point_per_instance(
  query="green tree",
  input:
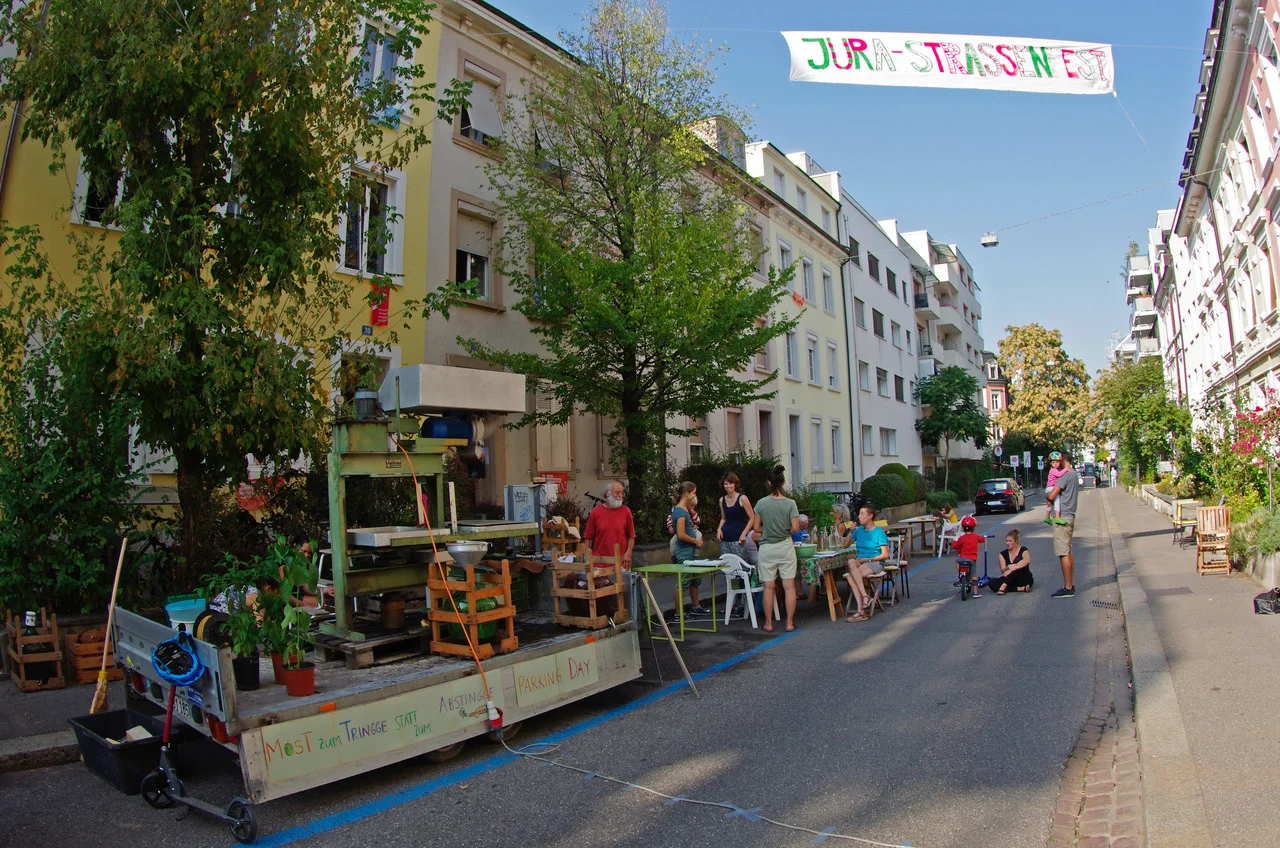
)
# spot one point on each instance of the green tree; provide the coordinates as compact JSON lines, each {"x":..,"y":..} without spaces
{"x":225,"y":139}
{"x":1049,"y":397}
{"x":626,"y":240}
{"x":1136,"y":411}
{"x":954,"y":412}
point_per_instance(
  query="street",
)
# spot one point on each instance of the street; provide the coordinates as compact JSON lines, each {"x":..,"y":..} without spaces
{"x":938,"y":723}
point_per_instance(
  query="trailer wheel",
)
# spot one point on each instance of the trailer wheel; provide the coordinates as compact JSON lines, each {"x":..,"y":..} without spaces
{"x":244,"y":827}
{"x":511,"y":731}
{"x":444,"y":755}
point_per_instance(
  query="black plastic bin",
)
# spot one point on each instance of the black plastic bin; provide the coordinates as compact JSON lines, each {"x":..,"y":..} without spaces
{"x":123,"y":765}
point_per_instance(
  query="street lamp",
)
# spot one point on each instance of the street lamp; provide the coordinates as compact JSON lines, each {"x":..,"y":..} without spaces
{"x":990,"y":240}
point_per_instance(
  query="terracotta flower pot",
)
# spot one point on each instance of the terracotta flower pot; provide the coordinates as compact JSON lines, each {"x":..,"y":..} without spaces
{"x":278,"y":663}
{"x":299,"y":680}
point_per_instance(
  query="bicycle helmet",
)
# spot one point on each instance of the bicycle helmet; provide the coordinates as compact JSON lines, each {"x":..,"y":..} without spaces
{"x":968,"y":523}
{"x":176,"y":661}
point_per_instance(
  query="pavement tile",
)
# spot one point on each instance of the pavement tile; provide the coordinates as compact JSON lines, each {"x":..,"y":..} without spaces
{"x":1126,"y":842}
{"x":1093,"y":842}
{"x":1065,"y":835}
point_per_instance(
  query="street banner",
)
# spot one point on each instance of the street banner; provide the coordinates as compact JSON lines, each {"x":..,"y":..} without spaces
{"x":951,"y":61}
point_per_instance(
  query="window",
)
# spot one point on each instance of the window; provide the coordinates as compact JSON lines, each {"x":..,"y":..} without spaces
{"x":95,"y":205}
{"x":837,"y":449}
{"x":763,"y":361}
{"x":806,"y":277}
{"x":802,"y":201}
{"x":853,"y":252}
{"x":833,"y":366}
{"x":868,"y":446}
{"x":471,"y":255}
{"x":779,"y":183}
{"x":860,"y":313}
{"x":697,"y":442}
{"x":553,"y":444}
{"x":365,"y":235}
{"x":762,"y":255}
{"x":826,"y":219}
{"x":828,"y":292}
{"x":864,"y":376}
{"x":873,"y":267}
{"x":882,"y":382}
{"x":815,"y":439}
{"x":888,"y":442}
{"x":766,"y":432}
{"x":899,"y":388}
{"x":905,"y":297}
{"x":891,"y":280}
{"x":995,"y":401}
{"x":784,"y":258}
{"x":481,"y":120}
{"x":895,"y":334}
{"x":909,"y":342}
{"x":914,"y":402}
{"x":793,"y":353}
{"x":732,"y":430}
{"x":811,"y":350}
{"x":877,"y":322}
{"x":378,"y":65}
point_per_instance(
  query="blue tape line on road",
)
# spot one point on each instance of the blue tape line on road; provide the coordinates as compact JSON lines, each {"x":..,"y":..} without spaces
{"x":413,"y":793}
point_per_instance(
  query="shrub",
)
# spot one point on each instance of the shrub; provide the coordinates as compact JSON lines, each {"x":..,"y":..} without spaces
{"x":920,"y":485}
{"x":940,"y":499}
{"x":886,"y":490}
{"x":1165,"y":486}
{"x":752,"y":467}
{"x":815,"y":503}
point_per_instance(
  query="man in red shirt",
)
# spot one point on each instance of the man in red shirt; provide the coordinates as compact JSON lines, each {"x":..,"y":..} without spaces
{"x":611,"y":524}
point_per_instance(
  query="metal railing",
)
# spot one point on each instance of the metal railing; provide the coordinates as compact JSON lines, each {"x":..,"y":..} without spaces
{"x":922,"y":301}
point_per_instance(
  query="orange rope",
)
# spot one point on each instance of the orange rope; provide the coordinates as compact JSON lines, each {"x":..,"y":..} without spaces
{"x":444,"y":577}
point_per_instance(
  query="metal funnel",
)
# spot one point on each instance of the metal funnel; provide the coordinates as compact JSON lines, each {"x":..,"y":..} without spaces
{"x":467,"y":553}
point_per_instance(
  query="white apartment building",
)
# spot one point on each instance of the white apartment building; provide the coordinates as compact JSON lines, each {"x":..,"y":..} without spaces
{"x":949,"y":315}
{"x":881,"y":328}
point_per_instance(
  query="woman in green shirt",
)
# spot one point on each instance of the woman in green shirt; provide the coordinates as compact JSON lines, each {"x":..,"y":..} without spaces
{"x":776,"y":519}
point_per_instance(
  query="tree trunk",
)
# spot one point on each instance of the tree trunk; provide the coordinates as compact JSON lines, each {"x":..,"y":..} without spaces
{"x":946,"y":464}
{"x":636,"y":435}
{"x":194,"y":546}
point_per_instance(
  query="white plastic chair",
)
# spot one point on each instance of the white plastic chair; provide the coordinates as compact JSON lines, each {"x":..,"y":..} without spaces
{"x":949,"y":533}
{"x":738,"y":569}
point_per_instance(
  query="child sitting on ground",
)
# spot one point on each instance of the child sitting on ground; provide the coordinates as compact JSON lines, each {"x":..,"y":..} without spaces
{"x":966,"y":548}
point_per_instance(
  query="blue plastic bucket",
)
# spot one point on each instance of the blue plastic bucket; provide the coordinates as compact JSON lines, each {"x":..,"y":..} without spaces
{"x":185,"y":612}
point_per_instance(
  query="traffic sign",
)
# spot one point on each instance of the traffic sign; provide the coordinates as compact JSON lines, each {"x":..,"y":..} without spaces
{"x":1013,"y":460}
{"x":1026,"y":458}
{"x":999,"y":450}
{"x":1040,"y":465}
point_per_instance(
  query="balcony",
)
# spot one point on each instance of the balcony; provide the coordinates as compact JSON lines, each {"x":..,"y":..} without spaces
{"x":1139,"y":277}
{"x":925,"y":350}
{"x":949,"y":319}
{"x":926,"y":307}
{"x":928,"y":367}
{"x":1144,"y":316}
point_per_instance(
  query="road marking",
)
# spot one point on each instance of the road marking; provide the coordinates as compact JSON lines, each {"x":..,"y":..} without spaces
{"x":421,"y":790}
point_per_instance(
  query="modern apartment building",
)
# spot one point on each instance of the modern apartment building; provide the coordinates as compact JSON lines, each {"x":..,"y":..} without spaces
{"x":948,"y":313}
{"x":1214,"y":270}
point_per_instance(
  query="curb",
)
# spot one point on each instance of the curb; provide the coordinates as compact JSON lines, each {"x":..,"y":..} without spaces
{"x":1175,"y":813}
{"x":32,"y":752}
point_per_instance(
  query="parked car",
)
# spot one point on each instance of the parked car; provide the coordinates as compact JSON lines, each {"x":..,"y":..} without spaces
{"x":1000,"y":493}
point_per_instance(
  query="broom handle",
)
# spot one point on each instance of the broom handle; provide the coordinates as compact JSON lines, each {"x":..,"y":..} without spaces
{"x":111,"y":610}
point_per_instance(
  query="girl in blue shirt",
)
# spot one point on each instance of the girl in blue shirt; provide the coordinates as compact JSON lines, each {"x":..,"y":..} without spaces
{"x":872,"y":544}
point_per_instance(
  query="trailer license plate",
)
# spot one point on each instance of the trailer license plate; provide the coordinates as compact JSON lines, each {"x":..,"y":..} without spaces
{"x":182,"y":709}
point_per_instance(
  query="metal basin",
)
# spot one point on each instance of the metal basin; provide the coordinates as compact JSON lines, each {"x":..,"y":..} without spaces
{"x":467,"y":553}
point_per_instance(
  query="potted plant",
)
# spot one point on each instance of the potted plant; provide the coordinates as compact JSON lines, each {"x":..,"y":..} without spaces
{"x":275,"y":638}
{"x":299,"y":675}
{"x":244,"y":630}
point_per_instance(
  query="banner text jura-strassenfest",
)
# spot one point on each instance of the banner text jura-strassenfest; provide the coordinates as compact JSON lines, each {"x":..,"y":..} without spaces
{"x":951,"y":61}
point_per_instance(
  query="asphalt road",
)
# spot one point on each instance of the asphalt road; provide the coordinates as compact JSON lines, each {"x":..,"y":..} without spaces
{"x":938,"y":723}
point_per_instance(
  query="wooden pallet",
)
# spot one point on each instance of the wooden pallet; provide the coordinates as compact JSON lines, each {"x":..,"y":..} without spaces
{"x":593,"y":595}
{"x":497,"y":586}
{"x":84,"y":658}
{"x":21,"y":655}
{"x":378,"y":649}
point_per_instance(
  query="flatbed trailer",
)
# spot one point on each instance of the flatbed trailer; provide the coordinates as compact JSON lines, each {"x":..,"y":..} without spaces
{"x":362,"y":719}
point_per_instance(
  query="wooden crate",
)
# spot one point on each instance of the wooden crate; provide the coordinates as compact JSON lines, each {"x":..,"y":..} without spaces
{"x":559,"y":541}
{"x":442,"y":611}
{"x":21,"y":653}
{"x":84,"y":657}
{"x":592,"y":595}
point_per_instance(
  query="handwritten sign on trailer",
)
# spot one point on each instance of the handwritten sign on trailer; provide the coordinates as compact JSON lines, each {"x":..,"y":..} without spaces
{"x":951,"y":61}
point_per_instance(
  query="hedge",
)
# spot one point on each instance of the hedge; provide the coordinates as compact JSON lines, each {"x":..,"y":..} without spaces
{"x":920,"y":485}
{"x":886,"y":490}
{"x":708,"y":475}
{"x":940,"y":499}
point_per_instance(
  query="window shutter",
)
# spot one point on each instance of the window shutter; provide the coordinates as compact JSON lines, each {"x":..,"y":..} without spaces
{"x":475,"y":235}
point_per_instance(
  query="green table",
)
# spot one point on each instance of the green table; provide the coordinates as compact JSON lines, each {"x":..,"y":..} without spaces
{"x":678,"y":569}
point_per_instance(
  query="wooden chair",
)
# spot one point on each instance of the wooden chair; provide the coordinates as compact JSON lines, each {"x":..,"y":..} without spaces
{"x":1213,"y":528}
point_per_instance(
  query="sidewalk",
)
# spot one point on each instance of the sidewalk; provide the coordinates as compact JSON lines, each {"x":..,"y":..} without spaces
{"x":1207,"y":681}
{"x":35,"y":732}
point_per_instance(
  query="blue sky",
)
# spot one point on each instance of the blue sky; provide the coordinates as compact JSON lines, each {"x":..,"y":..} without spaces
{"x":961,"y":162}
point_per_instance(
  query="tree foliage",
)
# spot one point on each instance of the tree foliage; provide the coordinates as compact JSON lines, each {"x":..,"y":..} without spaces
{"x":954,"y":412}
{"x":227,"y":138}
{"x":1137,"y":412}
{"x":1049,"y":399}
{"x":626,"y":240}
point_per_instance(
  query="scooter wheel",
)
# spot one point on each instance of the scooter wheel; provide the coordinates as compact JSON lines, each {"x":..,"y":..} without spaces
{"x":154,"y":791}
{"x":964,"y":590}
{"x":244,"y":827}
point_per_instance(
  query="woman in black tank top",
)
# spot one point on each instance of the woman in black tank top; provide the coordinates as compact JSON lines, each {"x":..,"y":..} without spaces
{"x":736,"y":517}
{"x":1015,"y":567}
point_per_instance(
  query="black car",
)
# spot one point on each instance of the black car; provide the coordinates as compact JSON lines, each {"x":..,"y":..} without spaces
{"x":1001,"y":493}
